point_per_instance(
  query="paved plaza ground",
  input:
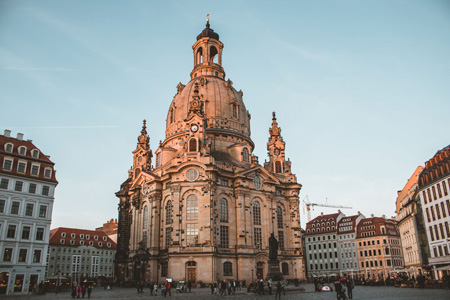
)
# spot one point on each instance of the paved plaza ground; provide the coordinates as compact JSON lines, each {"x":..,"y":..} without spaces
{"x":309,"y":294}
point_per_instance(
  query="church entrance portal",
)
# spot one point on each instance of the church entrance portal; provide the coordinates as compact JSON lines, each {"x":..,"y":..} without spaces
{"x":191,"y":267}
{"x":260,"y":270}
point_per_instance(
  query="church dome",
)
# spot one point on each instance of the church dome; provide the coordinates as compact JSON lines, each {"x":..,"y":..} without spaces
{"x":208,"y":32}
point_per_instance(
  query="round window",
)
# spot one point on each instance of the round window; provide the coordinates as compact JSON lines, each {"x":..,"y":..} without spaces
{"x":191,"y":174}
{"x":257,"y":182}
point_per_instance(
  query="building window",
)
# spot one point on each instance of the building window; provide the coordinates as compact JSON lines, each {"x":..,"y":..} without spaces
{"x":245,"y":155}
{"x":223,"y":237}
{"x":29,"y":209}
{"x":36,"y":256}
{"x":168,"y":210}
{"x":192,"y":208}
{"x":2,"y":206}
{"x":32,"y":188}
{"x":23,"y":255}
{"x":18,"y":186}
{"x":21,"y":166}
{"x":279,"y":217}
{"x":4,"y":183}
{"x":256,"y":213}
{"x":40,"y":234}
{"x":7,"y":254}
{"x":158,"y":159}
{"x":257,"y":237}
{"x":15,"y":208}
{"x":9,"y":148}
{"x":35,"y":153}
{"x":95,"y":236}
{"x":281,"y":240}
{"x":277,"y":167}
{"x":164,"y":269}
{"x":235,"y":111}
{"x":192,"y":234}
{"x":76,"y":263}
{"x":42,"y":211}
{"x":227,"y":269}
{"x":192,"y":145}
{"x":48,"y":173}
{"x":95,"y":262}
{"x":26,"y":232}
{"x":22,"y":150}
{"x":11,"y":234}
{"x":191,"y":174}
{"x":223,"y":210}
{"x":35,"y":170}
{"x":168,"y":238}
{"x":257,"y":182}
{"x":7,"y":164}
{"x":45,"y":190}
{"x":145,"y":219}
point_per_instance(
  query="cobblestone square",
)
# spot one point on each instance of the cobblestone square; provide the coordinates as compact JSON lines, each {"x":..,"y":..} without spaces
{"x":198,"y":294}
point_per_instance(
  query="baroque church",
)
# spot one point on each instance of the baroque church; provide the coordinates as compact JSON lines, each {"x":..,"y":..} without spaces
{"x":205,"y":208}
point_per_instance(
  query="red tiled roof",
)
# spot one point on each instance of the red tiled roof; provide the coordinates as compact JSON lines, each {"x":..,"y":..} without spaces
{"x":321,"y":223}
{"x":389,"y":224}
{"x":42,"y":159}
{"x":347,"y":219}
{"x":56,"y":238}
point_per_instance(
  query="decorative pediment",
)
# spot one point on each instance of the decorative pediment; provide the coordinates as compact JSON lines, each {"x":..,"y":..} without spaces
{"x":260,"y":171}
{"x":144,"y":176}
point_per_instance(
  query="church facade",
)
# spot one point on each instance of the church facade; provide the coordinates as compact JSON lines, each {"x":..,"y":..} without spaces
{"x":200,"y":207}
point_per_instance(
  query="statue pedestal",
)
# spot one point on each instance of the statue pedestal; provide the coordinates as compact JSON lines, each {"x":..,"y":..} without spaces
{"x":274,"y":270}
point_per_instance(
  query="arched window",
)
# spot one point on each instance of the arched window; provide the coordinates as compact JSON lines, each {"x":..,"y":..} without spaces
{"x":171,"y":116}
{"x":278,"y":167}
{"x":168,"y":210}
{"x":192,"y":145}
{"x":234,"y":108}
{"x":223,"y":210}
{"x":199,"y":58}
{"x":279,"y":217}
{"x":145,"y":218}
{"x":245,"y":155}
{"x":227,"y":269}
{"x":212,"y":54}
{"x":192,"y":208}
{"x":256,"y":213}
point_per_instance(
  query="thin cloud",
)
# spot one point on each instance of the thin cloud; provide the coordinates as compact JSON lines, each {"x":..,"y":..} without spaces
{"x":37,"y":69}
{"x":64,"y":127}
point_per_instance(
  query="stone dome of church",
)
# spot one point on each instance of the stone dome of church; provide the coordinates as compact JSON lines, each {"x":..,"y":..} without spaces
{"x":208,"y":95}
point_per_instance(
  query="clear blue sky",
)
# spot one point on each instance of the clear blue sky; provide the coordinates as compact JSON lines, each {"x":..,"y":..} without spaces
{"x":361,"y":88}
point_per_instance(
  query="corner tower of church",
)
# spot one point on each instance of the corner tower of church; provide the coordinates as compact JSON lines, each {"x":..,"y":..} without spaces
{"x":206,"y":208}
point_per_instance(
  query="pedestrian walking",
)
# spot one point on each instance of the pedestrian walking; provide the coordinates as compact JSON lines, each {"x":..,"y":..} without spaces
{"x":83,"y":291}
{"x":278,"y":293}
{"x":89,"y":291}
{"x":350,"y":286}
{"x":269,"y":285}
{"x":283,"y":283}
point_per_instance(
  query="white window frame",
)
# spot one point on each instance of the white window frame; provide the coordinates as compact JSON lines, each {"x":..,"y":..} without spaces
{"x":10,"y":160}
{"x":18,"y":164}
{"x":12,"y":147}
{"x":19,"y":150}
{"x":33,"y":152}
{"x":50,"y":170}
{"x":38,"y":169}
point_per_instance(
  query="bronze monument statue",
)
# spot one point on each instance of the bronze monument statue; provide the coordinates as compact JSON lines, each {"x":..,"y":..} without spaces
{"x":273,"y":247}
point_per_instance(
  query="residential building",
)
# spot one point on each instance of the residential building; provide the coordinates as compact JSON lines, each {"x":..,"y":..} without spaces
{"x":205,"y":208}
{"x":411,"y":226}
{"x":322,"y":254}
{"x":379,"y":247}
{"x":346,"y":238}
{"x":110,"y":228}
{"x":27,"y":188}
{"x":80,"y":254}
{"x":434,"y":186}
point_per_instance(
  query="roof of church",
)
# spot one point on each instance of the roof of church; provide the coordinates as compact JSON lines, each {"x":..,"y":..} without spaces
{"x":208,"y":32}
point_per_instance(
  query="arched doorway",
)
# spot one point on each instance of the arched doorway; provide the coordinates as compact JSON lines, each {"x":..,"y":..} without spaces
{"x":191,"y":271}
{"x":260,"y":270}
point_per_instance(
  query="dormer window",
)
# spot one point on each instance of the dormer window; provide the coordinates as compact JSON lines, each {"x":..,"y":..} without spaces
{"x":22,"y":150}
{"x":35,"y":170}
{"x":48,"y":173}
{"x":9,"y":148}
{"x":35,"y":153}
{"x":105,"y":238}
{"x":7,"y":164}
{"x":63,"y":234}
{"x":21,"y":166}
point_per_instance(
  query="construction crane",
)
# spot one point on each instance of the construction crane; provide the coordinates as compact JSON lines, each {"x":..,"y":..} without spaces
{"x":310,"y":205}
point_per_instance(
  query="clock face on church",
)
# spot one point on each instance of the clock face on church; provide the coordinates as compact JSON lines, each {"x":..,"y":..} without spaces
{"x":276,"y":151}
{"x":194,"y":127}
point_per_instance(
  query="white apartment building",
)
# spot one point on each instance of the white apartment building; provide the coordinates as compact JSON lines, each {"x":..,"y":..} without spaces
{"x":27,"y":187}
{"x":346,"y":239}
{"x":434,"y":187}
{"x":322,"y":256}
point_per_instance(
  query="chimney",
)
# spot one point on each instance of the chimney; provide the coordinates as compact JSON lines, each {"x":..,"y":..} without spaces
{"x":371,"y":215}
{"x":359,"y":212}
{"x":7,"y":133}
{"x":339,"y":211}
{"x":20,"y":136}
{"x":384,"y":217}
{"x":321,"y":213}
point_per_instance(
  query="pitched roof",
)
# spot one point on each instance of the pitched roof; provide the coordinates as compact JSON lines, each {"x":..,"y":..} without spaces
{"x":71,"y":237}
